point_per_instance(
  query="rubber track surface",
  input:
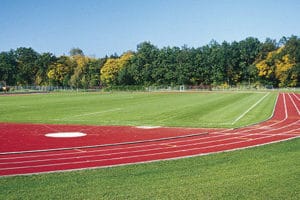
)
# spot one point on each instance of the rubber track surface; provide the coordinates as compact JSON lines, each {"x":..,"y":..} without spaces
{"x":25,"y":149}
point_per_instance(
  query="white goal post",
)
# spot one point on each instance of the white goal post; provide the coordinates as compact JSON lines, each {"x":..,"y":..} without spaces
{"x":181,"y":88}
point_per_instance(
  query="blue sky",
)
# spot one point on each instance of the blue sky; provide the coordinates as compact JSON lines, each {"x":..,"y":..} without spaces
{"x":104,"y":27}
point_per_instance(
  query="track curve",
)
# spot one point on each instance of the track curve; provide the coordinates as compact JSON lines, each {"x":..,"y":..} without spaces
{"x":26,"y":150}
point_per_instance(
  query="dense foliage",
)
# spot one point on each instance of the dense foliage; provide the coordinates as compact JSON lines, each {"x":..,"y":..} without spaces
{"x":248,"y":62}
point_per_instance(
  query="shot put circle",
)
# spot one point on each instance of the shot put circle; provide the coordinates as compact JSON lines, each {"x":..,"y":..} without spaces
{"x":65,"y":134}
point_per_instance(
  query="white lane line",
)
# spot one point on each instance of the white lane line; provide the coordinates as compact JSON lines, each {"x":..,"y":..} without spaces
{"x":220,"y":135}
{"x":139,"y":156}
{"x":285,"y":107}
{"x":167,"y":147}
{"x":107,"y":145}
{"x":147,"y":161}
{"x":294,"y":104}
{"x":296,"y":96}
{"x":253,"y":106}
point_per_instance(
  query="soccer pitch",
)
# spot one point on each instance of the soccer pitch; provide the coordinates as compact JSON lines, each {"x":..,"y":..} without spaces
{"x":140,"y":109}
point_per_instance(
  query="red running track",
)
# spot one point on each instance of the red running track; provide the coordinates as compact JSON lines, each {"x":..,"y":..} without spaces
{"x":26,"y":150}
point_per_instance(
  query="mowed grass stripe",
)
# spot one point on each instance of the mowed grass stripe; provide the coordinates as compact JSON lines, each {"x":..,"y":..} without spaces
{"x":156,"y":109}
{"x":249,"y":109}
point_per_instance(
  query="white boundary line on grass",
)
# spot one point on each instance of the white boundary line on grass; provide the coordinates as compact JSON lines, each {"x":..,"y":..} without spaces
{"x":242,"y":115}
{"x":87,"y":114}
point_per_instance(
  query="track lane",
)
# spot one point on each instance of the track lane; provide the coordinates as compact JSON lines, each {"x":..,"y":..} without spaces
{"x":155,"y":147}
{"x":134,"y":147}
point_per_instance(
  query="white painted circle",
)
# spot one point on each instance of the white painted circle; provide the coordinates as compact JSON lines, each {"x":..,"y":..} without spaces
{"x":65,"y":134}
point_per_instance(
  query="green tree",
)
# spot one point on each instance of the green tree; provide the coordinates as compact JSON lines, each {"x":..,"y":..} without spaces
{"x":8,"y":67}
{"x":249,"y":50}
{"x":44,"y":62}
{"x":76,"y":51}
{"x":26,"y":59}
{"x":143,"y":63}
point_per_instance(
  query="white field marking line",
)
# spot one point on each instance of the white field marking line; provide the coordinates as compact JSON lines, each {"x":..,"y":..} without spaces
{"x":253,"y":106}
{"x":246,"y":130}
{"x":296,"y":96}
{"x":92,"y":113}
{"x":51,"y":128}
{"x":269,"y":118}
{"x":169,"y":147}
{"x":134,"y":156}
{"x":174,"y":109}
{"x":294,"y":104}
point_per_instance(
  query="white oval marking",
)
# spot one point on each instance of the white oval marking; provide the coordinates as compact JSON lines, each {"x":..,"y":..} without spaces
{"x":147,"y":127}
{"x":65,"y":134}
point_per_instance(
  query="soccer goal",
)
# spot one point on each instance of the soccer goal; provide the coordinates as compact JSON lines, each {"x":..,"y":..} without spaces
{"x":181,"y":88}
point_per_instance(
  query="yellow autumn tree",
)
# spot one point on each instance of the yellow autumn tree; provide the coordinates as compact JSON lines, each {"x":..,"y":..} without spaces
{"x":278,"y":65}
{"x":284,"y":72}
{"x":266,"y":67}
{"x":57,"y":73}
{"x":79,"y":79}
{"x":60,"y":71}
{"x":112,"y":67}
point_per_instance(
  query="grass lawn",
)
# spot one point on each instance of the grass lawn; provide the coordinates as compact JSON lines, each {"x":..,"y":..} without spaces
{"x":267,"y":172}
{"x":160,"y":109}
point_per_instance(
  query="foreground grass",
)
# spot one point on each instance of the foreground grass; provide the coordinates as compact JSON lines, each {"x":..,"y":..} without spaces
{"x":163,"y":109}
{"x":267,"y":172}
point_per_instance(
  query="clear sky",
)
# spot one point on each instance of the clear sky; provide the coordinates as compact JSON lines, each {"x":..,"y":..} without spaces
{"x":104,"y":27}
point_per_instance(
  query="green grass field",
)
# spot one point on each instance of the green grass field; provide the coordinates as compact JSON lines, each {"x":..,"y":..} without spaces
{"x":267,"y":172}
{"x":160,"y":109}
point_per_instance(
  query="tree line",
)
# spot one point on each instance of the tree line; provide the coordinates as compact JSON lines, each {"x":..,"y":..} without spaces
{"x":248,"y":62}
